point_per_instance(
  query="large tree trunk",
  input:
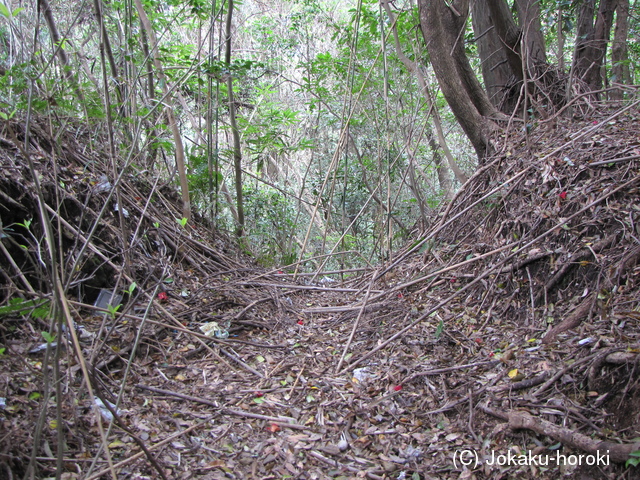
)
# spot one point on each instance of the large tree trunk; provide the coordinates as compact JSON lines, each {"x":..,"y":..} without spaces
{"x":532,"y":43}
{"x":507,"y":31}
{"x":509,"y":53}
{"x":619,"y":53}
{"x":443,"y":28}
{"x":592,"y":36}
{"x":496,"y":69}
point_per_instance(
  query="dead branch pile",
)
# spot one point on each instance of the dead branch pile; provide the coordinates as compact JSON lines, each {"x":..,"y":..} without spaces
{"x":535,"y":264}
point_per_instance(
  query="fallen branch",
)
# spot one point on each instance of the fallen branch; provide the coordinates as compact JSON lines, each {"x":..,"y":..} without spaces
{"x":528,"y":383}
{"x":336,"y":464}
{"x":572,"y":366}
{"x":575,"y":318}
{"x":282,"y":421}
{"x":438,"y":371}
{"x":518,"y":419}
{"x":572,"y":263}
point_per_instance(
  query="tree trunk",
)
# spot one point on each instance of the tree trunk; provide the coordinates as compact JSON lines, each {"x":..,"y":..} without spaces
{"x":508,"y":32}
{"x":592,"y":36}
{"x":560,"y":36}
{"x":67,"y":71}
{"x":532,"y":42}
{"x":443,"y":27}
{"x":443,"y":178}
{"x":496,"y":70}
{"x":237,"y":152}
{"x":180,"y":164}
{"x":151,"y":146}
{"x":619,"y":53}
{"x":509,"y":53}
{"x":414,"y":68}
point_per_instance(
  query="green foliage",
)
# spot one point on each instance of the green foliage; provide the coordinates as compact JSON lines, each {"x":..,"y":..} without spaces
{"x":48,"y":337}
{"x":634,"y":459}
{"x":129,"y":291}
{"x":21,"y":307}
{"x":113,"y":310}
{"x":8,"y":14}
{"x":270,"y":224}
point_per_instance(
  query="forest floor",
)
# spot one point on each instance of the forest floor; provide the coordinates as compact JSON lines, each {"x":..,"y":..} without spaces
{"x":501,"y":342}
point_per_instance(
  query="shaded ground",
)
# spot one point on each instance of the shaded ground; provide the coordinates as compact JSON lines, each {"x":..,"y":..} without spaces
{"x":509,"y":327}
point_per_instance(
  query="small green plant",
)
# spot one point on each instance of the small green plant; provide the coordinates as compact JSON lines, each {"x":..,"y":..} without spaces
{"x":48,"y":337}
{"x":2,"y":350}
{"x":4,"y":116}
{"x":129,"y":291}
{"x":439,"y":329}
{"x":8,"y":14}
{"x":26,"y":224}
{"x":113,"y":310}
{"x":182,"y":222}
{"x":20,"y":306}
{"x":634,"y":459}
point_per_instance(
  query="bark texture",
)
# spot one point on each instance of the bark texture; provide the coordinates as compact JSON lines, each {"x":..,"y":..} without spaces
{"x":443,"y":28}
{"x":619,"y":52}
{"x":593,"y":31}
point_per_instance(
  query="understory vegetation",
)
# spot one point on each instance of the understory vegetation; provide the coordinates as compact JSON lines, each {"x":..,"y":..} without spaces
{"x":315,"y":239}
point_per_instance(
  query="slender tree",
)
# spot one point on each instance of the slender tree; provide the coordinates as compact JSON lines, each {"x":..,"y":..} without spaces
{"x":67,"y":70}
{"x":237,"y":152}
{"x":173,"y":124}
{"x":414,"y":68}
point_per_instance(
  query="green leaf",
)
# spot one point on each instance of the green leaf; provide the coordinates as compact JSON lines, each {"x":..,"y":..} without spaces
{"x":48,"y":337}
{"x":4,"y":11}
{"x":26,"y":224}
{"x":439,"y":329}
{"x":131,"y":288}
{"x":41,"y":312}
{"x":113,"y":310}
{"x":633,"y":462}
{"x":23,"y":307}
{"x":634,"y":459}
